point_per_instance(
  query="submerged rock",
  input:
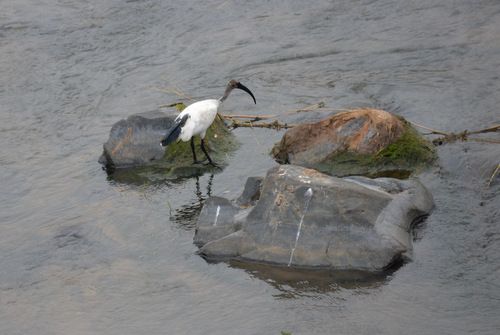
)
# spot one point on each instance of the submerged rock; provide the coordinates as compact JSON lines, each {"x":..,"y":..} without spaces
{"x":361,"y":141}
{"x":306,"y":219}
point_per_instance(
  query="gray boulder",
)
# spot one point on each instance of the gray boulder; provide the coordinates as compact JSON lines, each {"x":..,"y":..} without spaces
{"x":306,"y":219}
{"x":251,"y":192}
{"x":136,"y":141}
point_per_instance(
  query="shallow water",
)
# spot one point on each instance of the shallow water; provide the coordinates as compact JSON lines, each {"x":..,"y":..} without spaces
{"x":86,"y":254}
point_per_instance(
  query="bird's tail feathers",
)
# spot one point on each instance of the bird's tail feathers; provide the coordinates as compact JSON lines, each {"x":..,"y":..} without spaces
{"x":174,"y":131}
{"x":172,"y":135}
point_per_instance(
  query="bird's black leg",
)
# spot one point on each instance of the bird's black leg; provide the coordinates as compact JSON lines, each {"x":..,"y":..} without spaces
{"x":210,"y":161}
{"x":195,"y":160}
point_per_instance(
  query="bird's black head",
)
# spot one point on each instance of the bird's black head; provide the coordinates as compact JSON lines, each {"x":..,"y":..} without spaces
{"x":234,"y":83}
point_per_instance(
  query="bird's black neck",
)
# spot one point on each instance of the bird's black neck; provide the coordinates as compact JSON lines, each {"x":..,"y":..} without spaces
{"x":229,"y":88}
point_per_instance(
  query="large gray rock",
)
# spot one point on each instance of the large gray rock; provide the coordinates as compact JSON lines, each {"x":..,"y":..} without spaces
{"x":136,"y":141}
{"x":305,"y":219}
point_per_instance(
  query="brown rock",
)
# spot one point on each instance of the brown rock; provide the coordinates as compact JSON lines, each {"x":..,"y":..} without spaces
{"x":361,"y":131}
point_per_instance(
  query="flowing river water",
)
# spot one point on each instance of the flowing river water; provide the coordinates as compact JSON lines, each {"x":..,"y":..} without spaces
{"x":82,"y":252}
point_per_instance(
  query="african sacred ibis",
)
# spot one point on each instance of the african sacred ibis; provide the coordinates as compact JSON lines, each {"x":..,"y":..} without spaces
{"x":195,"y":120}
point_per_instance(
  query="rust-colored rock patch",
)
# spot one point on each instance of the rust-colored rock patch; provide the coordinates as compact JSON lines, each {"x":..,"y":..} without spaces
{"x":360,"y":131}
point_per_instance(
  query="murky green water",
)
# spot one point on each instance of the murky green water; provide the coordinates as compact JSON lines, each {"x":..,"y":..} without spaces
{"x":82,"y":253}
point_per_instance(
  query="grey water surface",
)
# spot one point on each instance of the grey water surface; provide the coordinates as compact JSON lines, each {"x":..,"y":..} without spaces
{"x":82,"y":252}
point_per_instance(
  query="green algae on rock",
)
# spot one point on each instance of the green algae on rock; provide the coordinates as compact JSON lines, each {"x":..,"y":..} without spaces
{"x":398,"y":160}
{"x":133,"y":150}
{"x":360,"y":142}
{"x":219,"y":141}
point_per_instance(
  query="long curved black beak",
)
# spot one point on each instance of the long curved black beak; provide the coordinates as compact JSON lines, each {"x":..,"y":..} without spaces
{"x":244,"y":88}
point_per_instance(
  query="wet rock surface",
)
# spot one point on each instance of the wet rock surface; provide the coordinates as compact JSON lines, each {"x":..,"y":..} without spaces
{"x":306,"y":219}
{"x":134,"y":146}
{"x":364,"y":131}
{"x":362,"y":141}
{"x":136,"y":141}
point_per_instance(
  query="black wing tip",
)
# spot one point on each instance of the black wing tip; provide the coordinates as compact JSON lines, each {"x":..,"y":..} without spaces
{"x":170,"y":138}
{"x":174,"y":131}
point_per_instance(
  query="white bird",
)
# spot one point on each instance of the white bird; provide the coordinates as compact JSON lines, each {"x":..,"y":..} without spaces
{"x":195,"y":120}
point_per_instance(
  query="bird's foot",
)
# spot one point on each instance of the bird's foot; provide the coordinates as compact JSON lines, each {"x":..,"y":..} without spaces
{"x":213,"y":164}
{"x":202,"y":162}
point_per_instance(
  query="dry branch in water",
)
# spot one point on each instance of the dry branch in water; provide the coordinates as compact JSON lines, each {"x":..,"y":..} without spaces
{"x":223,"y":4}
{"x":273,"y":125}
{"x":463,"y":136}
{"x":495,"y":128}
{"x":295,"y":111}
{"x":493,"y":175}
{"x":447,"y":138}
{"x":169,"y":90}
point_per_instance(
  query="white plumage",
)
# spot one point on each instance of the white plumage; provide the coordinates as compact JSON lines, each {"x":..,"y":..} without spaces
{"x":195,"y":120}
{"x":201,"y":116}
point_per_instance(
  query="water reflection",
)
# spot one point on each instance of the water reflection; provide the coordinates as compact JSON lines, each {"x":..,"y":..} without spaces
{"x":192,"y":193}
{"x":186,"y":216}
{"x":294,"y":283}
{"x":184,"y":213}
{"x":153,"y":175}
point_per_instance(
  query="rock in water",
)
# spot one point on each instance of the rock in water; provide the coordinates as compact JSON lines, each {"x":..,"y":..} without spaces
{"x":362,"y":141}
{"x":306,"y":219}
{"x":136,"y":141}
{"x":251,"y":192}
{"x":363,"y":131}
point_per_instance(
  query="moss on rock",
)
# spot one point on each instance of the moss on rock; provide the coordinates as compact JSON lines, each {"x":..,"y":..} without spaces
{"x":411,"y":152}
{"x":178,"y":158}
{"x":178,"y":106}
{"x":219,"y":142}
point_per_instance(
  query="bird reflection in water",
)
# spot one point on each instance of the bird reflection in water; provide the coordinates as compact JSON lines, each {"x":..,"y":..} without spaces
{"x":186,"y":216}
